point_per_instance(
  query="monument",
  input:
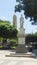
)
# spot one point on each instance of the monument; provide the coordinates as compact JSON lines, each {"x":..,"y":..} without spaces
{"x":21,"y":50}
{"x":21,"y":38}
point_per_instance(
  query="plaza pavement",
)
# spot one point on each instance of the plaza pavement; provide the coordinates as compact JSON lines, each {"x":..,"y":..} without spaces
{"x":15,"y":60}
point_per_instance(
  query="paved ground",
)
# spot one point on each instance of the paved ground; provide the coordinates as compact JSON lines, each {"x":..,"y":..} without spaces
{"x":15,"y":60}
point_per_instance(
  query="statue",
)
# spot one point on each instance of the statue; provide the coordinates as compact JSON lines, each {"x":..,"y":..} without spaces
{"x":15,"y":21}
{"x":21,"y":21}
{"x":21,"y":38}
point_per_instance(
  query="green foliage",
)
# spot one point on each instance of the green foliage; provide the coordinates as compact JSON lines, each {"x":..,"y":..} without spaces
{"x":31,"y":38}
{"x":13,"y":42}
{"x":7,"y":30}
{"x":4,"y":22}
{"x":29,"y":7}
{"x":1,"y":46}
{"x":1,"y":39}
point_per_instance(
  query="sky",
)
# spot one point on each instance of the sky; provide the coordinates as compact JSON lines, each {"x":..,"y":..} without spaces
{"x":7,"y":8}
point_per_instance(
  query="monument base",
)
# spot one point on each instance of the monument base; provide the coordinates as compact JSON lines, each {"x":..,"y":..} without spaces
{"x":14,"y":54}
{"x":21,"y":48}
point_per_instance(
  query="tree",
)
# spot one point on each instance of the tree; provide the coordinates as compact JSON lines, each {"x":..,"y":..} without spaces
{"x":13,"y":32}
{"x":7,"y":30}
{"x":31,"y":38}
{"x":29,"y":7}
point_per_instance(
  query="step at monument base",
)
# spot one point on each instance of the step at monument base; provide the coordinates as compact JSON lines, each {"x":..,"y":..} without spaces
{"x":20,"y":55}
{"x":21,"y":48}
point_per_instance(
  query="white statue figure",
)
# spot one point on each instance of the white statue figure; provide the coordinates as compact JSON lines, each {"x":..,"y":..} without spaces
{"x":21,"y":21}
{"x":15,"y":20}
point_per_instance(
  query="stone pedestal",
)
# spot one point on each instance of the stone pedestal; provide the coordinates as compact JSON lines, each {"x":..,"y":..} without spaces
{"x":21,"y":36}
{"x":21,"y":42}
{"x":21,"y":48}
